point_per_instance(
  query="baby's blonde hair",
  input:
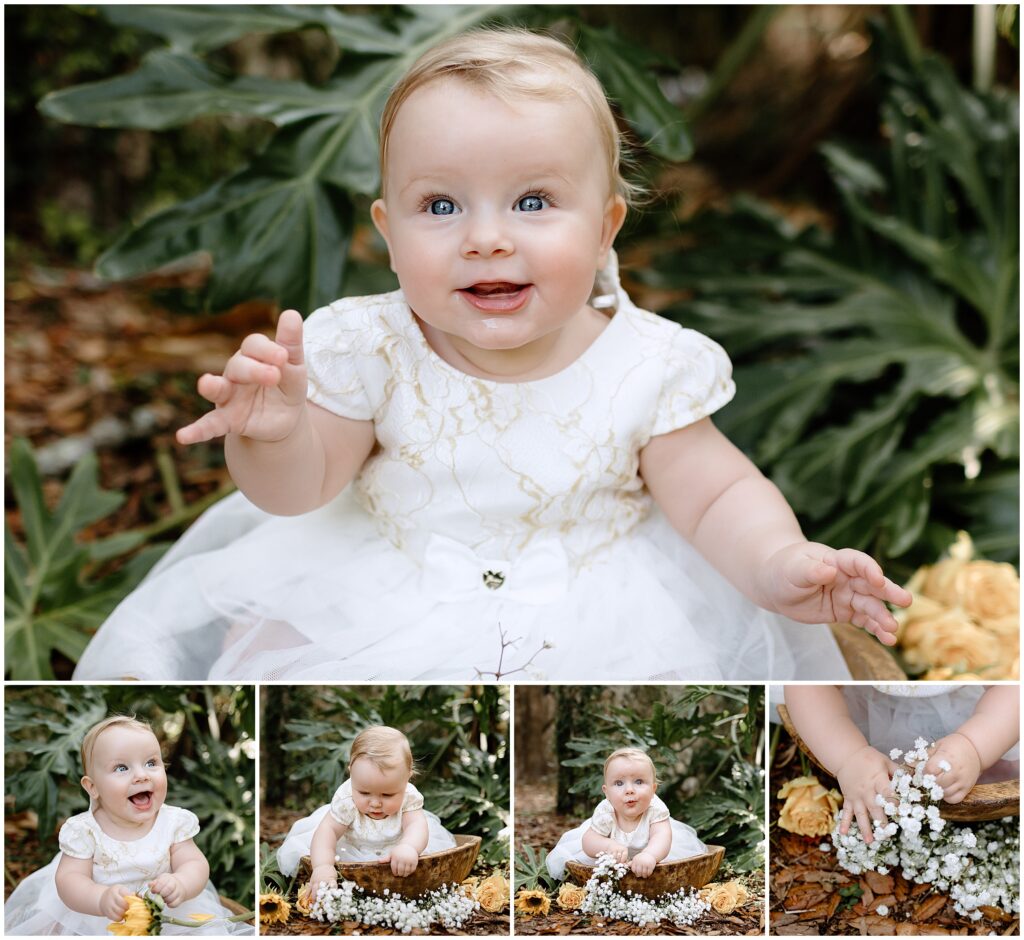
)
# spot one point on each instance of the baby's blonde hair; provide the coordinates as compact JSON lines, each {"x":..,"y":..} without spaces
{"x":512,"y":64}
{"x":386,"y":747}
{"x":93,"y":734}
{"x":632,"y":753}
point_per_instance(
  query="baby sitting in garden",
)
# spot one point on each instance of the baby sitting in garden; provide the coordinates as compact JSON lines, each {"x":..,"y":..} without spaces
{"x":632,"y":824}
{"x":128,"y":844}
{"x":856,"y":732}
{"x":376,"y":815}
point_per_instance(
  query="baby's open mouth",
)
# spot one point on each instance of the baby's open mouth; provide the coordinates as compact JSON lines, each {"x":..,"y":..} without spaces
{"x":497,"y":296}
{"x":142,"y":800}
{"x":497,"y":287}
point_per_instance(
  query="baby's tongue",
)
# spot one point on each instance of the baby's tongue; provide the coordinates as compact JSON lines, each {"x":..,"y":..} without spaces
{"x":141,"y":799}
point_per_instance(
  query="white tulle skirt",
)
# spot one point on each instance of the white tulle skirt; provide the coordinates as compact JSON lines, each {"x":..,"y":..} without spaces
{"x":35,"y":909}
{"x":896,"y":721}
{"x":323,"y":596}
{"x":685,"y":844}
{"x":300,"y":836}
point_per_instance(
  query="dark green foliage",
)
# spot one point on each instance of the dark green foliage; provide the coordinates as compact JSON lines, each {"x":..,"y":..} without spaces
{"x":280,"y":227}
{"x":693,"y":734}
{"x":207,"y":736}
{"x":877,"y":365}
{"x":531,"y":869}
{"x":458,"y":736}
{"x":55,"y":591}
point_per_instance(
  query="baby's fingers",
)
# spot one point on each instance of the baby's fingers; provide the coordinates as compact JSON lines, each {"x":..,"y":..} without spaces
{"x":289,"y":336}
{"x":210,"y":425}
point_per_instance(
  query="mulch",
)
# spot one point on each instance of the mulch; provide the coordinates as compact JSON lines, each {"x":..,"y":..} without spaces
{"x":538,"y":825}
{"x":812,"y":896}
{"x":274,"y":826}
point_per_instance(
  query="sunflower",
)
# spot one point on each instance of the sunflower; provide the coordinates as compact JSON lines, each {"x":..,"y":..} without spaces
{"x":304,"y":899}
{"x":274,"y":909}
{"x":532,"y":901}
{"x":140,"y":919}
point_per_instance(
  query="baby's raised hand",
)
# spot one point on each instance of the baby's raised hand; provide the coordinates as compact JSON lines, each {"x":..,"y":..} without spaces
{"x":262,"y":391}
{"x":617,"y":851}
{"x":956,"y":766}
{"x":169,"y":887}
{"x":813,"y":583}
{"x":113,"y":905}
{"x":643,"y":864}
{"x":404,"y":859}
{"x":322,"y":874}
{"x":864,"y":775}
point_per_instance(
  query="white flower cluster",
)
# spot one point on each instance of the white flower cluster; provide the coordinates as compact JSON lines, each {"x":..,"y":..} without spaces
{"x":445,"y":905}
{"x":976,"y":865}
{"x":683,"y":907}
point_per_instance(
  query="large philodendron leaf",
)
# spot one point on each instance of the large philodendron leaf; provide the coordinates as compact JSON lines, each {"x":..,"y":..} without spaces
{"x":50,"y":601}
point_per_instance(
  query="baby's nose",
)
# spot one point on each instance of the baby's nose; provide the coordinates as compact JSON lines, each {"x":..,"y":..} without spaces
{"x":485,"y":237}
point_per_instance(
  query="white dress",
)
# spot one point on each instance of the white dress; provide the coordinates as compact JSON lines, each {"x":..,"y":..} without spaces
{"x":366,"y":839}
{"x":490,"y":513}
{"x":894,"y":715}
{"x":35,"y":909}
{"x":685,"y":843}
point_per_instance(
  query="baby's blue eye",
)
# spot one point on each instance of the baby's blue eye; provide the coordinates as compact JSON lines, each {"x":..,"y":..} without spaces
{"x":151,"y":762}
{"x":120,"y":767}
{"x":531,"y":203}
{"x":442,"y":207}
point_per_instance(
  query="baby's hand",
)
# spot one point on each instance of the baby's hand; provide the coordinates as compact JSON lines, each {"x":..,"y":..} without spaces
{"x":262,"y":391}
{"x":404,"y":859}
{"x":813,"y":583}
{"x":956,"y":766}
{"x":113,"y":905}
{"x":617,"y":851}
{"x":170,"y":888}
{"x":864,"y":775}
{"x":643,"y":864}
{"x":322,"y":874}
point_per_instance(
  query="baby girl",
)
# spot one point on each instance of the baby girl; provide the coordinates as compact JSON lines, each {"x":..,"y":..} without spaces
{"x":375,"y":815}
{"x":632,"y":824}
{"x":128,"y":842}
{"x":852,"y":730}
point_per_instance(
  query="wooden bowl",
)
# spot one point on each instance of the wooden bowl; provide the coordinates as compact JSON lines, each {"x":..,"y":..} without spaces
{"x":452,"y":866}
{"x":667,"y":876}
{"x":985,"y":800}
{"x":865,"y":657}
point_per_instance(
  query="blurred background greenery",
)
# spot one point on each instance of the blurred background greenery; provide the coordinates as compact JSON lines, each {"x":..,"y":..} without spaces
{"x":834,"y":196}
{"x":207,"y":734}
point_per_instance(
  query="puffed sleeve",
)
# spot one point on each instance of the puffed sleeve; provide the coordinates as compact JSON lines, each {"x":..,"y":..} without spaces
{"x":184,"y":826}
{"x":333,"y":340}
{"x":343,"y":809}
{"x":413,"y":799}
{"x":697,"y":381}
{"x":657,"y":809}
{"x":603,"y":819}
{"x":76,"y":838}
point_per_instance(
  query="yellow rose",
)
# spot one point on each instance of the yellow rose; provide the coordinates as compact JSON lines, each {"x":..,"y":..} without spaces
{"x":570,"y":896}
{"x":940,"y":581}
{"x":274,"y":909}
{"x":725,"y":898}
{"x":950,"y":639}
{"x":945,"y":674}
{"x":492,"y":893}
{"x":136,"y":921}
{"x":809,"y":809}
{"x":532,"y":901}
{"x":989,"y":590}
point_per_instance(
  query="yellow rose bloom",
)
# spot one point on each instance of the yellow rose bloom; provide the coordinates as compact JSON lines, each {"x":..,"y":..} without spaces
{"x":809,"y":809}
{"x":725,"y":898}
{"x":570,"y":896}
{"x":532,"y":901}
{"x":274,"y":909}
{"x":492,"y":894}
{"x":989,"y":590}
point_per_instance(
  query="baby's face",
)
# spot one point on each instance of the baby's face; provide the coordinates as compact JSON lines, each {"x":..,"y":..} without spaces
{"x":378,"y":793}
{"x":126,"y":775}
{"x":497,"y":216}
{"x":629,"y":786}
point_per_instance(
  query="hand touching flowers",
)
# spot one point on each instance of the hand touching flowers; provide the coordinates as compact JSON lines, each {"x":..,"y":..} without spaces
{"x":813,"y":583}
{"x":170,"y":888}
{"x":864,"y":775}
{"x":955,"y":764}
{"x":113,"y":905}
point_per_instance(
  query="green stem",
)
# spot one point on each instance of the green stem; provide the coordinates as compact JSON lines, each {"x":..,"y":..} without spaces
{"x":186,"y":514}
{"x":907,"y":34}
{"x":169,"y":478}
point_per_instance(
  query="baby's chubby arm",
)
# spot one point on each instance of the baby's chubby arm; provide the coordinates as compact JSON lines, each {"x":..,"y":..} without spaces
{"x":76,"y":888}
{"x":737,"y":519}
{"x":977,"y":744}
{"x":188,"y":875}
{"x":405,"y":856}
{"x":595,"y":844}
{"x":287,"y":455}
{"x":820,"y":714}
{"x":322,"y":851}
{"x":656,"y":849}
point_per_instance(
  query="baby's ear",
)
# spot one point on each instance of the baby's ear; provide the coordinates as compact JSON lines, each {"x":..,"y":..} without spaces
{"x":379,"y":214}
{"x":89,"y":787}
{"x":614,"y":216}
